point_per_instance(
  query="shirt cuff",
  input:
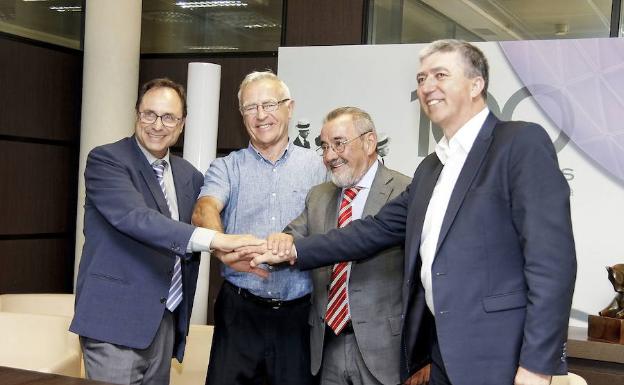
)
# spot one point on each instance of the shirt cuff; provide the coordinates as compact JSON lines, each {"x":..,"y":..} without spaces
{"x":200,"y":240}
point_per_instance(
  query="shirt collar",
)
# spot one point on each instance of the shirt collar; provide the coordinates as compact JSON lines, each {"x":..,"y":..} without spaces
{"x":148,"y":155}
{"x":367,"y":180}
{"x":259,"y":155}
{"x":463,"y":138}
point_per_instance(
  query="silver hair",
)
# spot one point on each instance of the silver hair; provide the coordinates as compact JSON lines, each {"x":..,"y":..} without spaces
{"x":262,"y":75}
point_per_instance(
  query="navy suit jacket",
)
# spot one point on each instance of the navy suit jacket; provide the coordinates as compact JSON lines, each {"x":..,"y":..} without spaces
{"x":130,"y":248}
{"x":505,"y":264}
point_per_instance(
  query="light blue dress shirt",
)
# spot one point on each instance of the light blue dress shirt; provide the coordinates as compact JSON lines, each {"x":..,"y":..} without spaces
{"x":261,"y":197}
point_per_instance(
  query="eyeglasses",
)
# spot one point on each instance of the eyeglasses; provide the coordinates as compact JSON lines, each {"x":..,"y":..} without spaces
{"x":338,"y":145}
{"x":268,"y":106}
{"x":150,"y":117}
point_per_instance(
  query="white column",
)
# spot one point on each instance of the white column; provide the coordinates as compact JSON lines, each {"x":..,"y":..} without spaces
{"x":112,"y":42}
{"x":200,"y":148}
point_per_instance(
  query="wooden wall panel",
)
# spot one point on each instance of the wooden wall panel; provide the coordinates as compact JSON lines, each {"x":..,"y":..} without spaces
{"x":325,"y":22}
{"x":39,"y":146}
{"x":41,"y":91}
{"x":232,"y":134}
{"x":36,"y":266}
{"x":39,"y":189}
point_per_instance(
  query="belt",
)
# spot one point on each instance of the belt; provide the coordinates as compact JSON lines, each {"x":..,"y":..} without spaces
{"x":273,"y":303}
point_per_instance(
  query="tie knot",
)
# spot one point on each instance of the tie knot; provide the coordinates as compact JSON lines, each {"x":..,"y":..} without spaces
{"x":159,"y":168}
{"x":351,"y":192}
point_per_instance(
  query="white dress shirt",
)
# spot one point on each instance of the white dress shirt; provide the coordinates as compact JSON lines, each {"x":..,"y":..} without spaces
{"x":452,"y":154}
{"x":365,"y":183}
{"x":201,"y":237}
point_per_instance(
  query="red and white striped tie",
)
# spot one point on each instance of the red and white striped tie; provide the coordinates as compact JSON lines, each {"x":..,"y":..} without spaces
{"x":338,"y":313}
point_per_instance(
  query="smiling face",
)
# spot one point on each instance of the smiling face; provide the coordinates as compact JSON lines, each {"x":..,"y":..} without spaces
{"x":155,"y":137}
{"x":447,"y":96}
{"x":349,"y":166}
{"x":267,"y":130}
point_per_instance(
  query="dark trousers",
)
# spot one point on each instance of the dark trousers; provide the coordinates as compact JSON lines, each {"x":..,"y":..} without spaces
{"x":255,"y":343}
{"x":438,"y":374}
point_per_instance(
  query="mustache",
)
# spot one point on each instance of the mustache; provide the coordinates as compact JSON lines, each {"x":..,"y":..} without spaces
{"x":337,"y":162}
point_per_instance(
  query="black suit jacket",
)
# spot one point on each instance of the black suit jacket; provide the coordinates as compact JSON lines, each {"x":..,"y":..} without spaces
{"x":505,"y":265}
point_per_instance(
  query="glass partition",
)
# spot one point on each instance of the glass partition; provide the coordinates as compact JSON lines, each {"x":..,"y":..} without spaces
{"x":52,"y":21}
{"x":182,"y":26}
{"x":414,"y":21}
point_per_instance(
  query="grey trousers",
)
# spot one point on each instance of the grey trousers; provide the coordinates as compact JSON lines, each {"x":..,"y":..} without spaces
{"x":343,"y":363}
{"x":122,"y":365}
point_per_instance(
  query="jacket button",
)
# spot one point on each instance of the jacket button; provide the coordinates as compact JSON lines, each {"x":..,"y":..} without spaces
{"x":163,"y":300}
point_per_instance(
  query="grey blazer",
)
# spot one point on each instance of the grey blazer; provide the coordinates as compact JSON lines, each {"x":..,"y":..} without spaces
{"x":374,"y":285}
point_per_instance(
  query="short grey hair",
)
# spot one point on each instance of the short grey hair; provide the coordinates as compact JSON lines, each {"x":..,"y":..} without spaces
{"x":476,"y":63}
{"x":262,"y":75}
{"x":361,"y":119}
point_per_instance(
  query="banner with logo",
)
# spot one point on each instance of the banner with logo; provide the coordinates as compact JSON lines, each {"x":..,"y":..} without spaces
{"x":573,"y":88}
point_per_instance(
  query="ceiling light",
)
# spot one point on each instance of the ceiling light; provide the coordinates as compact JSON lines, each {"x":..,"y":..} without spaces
{"x":68,"y":8}
{"x":167,"y":17}
{"x":212,"y":48}
{"x":210,"y":4}
{"x":261,"y":25}
{"x":561,"y":29}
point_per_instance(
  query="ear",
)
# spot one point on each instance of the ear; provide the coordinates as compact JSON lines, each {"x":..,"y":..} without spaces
{"x":291,"y":108}
{"x":477,"y":86}
{"x":371,"y":141}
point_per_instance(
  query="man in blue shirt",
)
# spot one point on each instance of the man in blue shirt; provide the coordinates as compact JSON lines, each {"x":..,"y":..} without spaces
{"x":261,"y":330}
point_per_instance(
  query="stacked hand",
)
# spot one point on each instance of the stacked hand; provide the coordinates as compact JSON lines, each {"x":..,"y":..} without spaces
{"x":279,"y":249}
{"x":231,"y":242}
{"x":226,"y":249}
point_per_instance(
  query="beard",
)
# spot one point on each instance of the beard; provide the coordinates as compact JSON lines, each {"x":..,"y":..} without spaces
{"x":344,"y":177}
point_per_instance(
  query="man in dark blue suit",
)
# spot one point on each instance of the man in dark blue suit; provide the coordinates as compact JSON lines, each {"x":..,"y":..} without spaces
{"x":137,"y":277}
{"x":486,"y":225}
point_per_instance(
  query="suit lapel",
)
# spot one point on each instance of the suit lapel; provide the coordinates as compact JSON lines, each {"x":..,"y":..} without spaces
{"x":181,"y":179}
{"x":379,"y":193}
{"x":420,"y":201}
{"x":331,"y":210}
{"x":149,"y":176}
{"x":467,"y":175}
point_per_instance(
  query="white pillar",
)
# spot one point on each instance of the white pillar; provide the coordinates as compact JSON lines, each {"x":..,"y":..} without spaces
{"x":110,"y":77}
{"x":200,"y":148}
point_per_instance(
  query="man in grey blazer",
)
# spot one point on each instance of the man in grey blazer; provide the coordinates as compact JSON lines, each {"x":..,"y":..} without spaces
{"x":371,"y":331}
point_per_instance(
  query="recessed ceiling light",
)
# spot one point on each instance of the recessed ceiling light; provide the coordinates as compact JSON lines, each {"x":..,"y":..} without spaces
{"x":68,"y":8}
{"x":212,"y":48}
{"x":261,"y":25}
{"x":210,"y":4}
{"x":562,"y":29}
